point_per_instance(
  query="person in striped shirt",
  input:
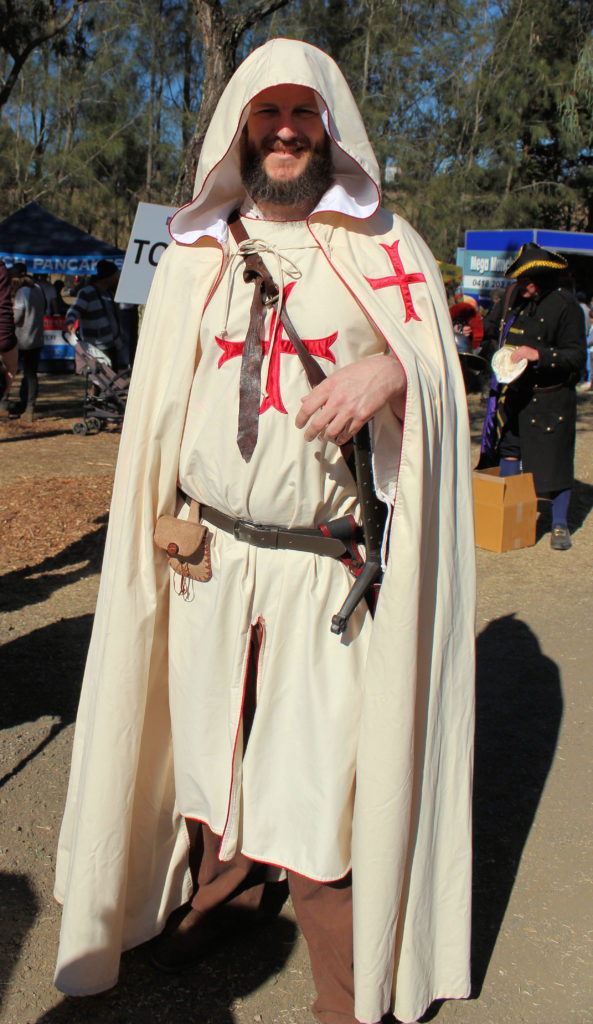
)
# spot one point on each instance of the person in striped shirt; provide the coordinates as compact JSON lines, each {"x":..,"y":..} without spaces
{"x":96,"y":312}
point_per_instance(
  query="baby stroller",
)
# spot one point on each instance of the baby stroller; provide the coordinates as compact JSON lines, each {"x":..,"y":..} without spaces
{"x":105,"y":391}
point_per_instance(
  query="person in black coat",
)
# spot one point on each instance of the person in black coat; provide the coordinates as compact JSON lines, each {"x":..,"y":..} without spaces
{"x":531,"y":421}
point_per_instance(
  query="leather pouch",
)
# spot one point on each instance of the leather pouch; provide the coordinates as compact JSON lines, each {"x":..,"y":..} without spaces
{"x":186,"y":543}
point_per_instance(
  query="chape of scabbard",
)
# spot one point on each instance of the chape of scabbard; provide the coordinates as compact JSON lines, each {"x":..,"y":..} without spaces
{"x":373,"y":521}
{"x":368,"y":575}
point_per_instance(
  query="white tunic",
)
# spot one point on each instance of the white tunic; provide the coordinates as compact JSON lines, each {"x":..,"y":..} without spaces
{"x":289,"y":800}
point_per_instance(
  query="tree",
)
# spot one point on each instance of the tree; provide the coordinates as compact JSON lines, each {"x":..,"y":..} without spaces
{"x":25,"y":27}
{"x":479,"y":111}
{"x":531,"y":161}
{"x":97,"y":121}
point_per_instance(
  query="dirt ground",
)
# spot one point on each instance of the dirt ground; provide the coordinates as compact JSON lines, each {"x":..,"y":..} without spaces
{"x":533,"y":921}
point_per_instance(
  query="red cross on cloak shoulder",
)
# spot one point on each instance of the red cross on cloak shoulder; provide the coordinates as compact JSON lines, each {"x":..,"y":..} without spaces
{"x":399,"y":280}
{"x":280,"y":344}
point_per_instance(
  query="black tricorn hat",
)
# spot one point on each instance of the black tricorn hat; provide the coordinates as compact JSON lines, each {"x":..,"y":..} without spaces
{"x":532,"y":259}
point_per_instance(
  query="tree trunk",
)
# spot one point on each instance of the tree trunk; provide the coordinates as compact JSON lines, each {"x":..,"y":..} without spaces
{"x":188,"y":66}
{"x":219,"y":65}
{"x":367,"y":52}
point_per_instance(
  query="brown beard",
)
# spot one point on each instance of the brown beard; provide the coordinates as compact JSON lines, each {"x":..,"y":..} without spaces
{"x":308,"y":187}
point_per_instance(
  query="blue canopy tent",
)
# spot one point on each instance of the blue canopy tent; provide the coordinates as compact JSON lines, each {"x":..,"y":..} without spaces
{"x":49,"y":245}
{"x":46,"y":244}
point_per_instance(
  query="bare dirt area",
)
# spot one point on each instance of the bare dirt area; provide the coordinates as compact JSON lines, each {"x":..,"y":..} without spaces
{"x":533,"y":931}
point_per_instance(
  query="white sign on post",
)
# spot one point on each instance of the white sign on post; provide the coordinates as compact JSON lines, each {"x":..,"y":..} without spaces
{"x":148,"y":241}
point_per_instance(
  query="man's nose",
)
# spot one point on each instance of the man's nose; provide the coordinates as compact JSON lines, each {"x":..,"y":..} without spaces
{"x":286,"y":130}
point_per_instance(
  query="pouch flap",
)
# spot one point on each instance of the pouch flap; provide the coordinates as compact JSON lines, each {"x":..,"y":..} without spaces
{"x":178,"y":537}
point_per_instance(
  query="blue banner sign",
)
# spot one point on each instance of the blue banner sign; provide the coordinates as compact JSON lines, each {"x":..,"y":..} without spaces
{"x":59,"y":264}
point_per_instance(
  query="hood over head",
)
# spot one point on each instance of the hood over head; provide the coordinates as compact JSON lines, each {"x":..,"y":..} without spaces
{"x":219,"y":189}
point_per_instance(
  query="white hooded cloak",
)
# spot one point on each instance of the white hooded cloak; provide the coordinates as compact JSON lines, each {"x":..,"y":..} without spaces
{"x":123,"y":855}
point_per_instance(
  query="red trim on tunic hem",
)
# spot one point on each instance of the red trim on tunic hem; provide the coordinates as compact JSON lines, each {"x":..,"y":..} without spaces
{"x":273,"y":863}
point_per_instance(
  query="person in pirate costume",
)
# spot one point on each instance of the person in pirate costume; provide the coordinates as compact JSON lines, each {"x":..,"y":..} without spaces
{"x":289,"y":311}
{"x":530,"y":422}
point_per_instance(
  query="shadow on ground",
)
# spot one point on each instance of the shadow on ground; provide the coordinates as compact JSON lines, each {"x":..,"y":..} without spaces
{"x":34,"y":433}
{"x":581,"y":503}
{"x":518,"y":715}
{"x":42,"y":672}
{"x":144,"y":995}
{"x":35,"y":583}
{"x":19,"y":910}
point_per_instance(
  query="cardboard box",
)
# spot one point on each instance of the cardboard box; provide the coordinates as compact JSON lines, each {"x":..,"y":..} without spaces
{"x":505,"y":510}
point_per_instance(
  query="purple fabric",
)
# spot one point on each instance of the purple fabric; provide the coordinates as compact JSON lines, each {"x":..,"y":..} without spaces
{"x":488,"y":447}
{"x":7,"y":335}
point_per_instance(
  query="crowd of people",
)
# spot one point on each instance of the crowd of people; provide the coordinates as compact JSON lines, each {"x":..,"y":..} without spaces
{"x":26,"y":300}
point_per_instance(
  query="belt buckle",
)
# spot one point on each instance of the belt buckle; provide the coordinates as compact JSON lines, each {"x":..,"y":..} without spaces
{"x":240,"y":530}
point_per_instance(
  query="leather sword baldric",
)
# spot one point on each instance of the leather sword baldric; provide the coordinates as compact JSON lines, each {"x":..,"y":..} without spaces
{"x":250,"y":377}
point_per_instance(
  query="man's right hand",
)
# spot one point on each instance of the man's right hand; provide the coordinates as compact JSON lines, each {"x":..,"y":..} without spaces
{"x":338,"y":407}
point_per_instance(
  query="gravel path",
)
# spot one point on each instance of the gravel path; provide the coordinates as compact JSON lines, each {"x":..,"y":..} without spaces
{"x":533,"y":930}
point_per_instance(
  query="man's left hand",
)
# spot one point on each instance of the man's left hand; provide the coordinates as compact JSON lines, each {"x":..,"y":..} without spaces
{"x":338,"y":407}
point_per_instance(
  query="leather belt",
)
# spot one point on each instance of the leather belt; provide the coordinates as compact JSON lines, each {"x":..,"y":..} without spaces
{"x":281,"y":538}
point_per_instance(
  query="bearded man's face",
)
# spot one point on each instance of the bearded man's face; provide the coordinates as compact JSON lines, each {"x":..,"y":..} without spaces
{"x":285,"y":151}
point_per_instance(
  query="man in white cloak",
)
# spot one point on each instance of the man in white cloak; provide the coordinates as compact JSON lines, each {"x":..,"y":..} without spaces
{"x":344,"y":760}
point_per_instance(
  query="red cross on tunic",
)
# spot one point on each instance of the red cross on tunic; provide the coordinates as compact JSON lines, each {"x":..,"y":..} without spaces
{"x":401,"y":280}
{"x":280,"y":345}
